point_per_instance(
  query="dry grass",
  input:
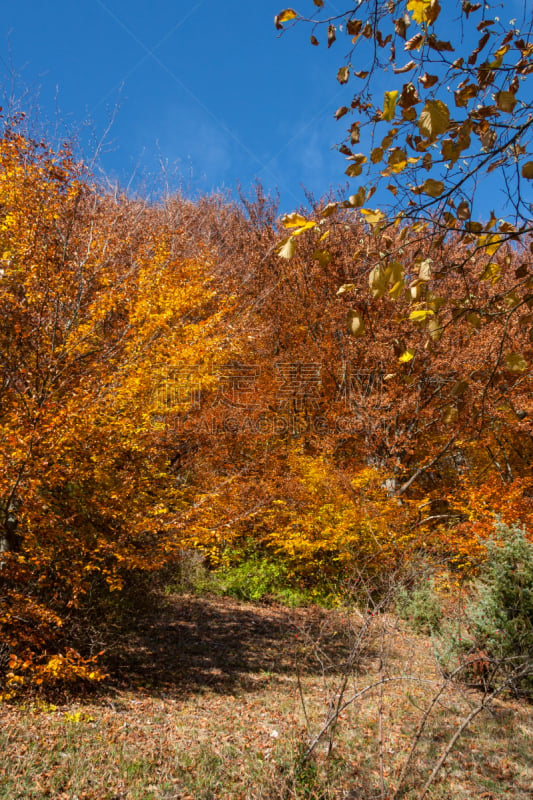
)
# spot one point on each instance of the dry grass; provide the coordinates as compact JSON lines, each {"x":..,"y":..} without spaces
{"x":216,"y":699}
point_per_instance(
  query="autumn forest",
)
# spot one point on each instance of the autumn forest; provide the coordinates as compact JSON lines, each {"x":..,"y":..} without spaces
{"x":341,"y":394}
{"x":169,"y":382}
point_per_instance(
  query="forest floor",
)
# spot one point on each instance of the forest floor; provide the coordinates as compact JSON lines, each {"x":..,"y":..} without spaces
{"x":215,"y":699}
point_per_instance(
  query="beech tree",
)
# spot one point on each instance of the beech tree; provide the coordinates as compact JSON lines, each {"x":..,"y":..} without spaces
{"x":97,"y":300}
{"x":439,"y":147}
{"x":446,"y":150}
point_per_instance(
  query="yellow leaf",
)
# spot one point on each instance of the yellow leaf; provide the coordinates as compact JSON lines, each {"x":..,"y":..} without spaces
{"x":512,"y":299}
{"x":389,"y":105}
{"x":353,"y":171}
{"x":397,"y":160}
{"x":406,"y":356}
{"x":394,"y":272}
{"x":397,"y":289}
{"x":434,"y":119}
{"x":492,"y":273}
{"x":421,"y":314}
{"x":419,"y":9}
{"x":358,"y":158}
{"x":490,"y":243}
{"x":358,"y":198}
{"x":284,"y":16}
{"x":355,"y":167}
{"x":287,"y":248}
{"x":432,"y":187}
{"x":515,"y":362}
{"x":322,"y":256}
{"x":372,"y":217}
{"x":474,"y":320}
{"x":293,"y":220}
{"x":435,"y":329}
{"x":306,"y":227}
{"x":346,"y":287}
{"x":378,"y":281}
{"x":355,"y":323}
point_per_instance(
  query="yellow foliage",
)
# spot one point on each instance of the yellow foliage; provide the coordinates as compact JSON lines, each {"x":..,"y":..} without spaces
{"x":98,"y":304}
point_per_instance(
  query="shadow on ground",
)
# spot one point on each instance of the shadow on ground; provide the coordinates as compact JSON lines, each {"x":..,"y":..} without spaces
{"x":193,"y":643}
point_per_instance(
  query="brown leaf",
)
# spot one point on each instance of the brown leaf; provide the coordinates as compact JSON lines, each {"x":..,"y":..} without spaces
{"x":439,"y":45}
{"x":401,"y":24}
{"x":428,"y":81}
{"x":409,"y":96}
{"x":506,"y":101}
{"x":406,"y":68}
{"x":353,"y":27}
{"x":343,"y":75}
{"x":434,"y":119}
{"x":340,"y":112}
{"x":415,"y":42}
{"x":466,"y":93}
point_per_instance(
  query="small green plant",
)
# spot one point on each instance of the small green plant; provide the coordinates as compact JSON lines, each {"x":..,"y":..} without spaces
{"x":303,"y":778}
{"x":420,"y":608}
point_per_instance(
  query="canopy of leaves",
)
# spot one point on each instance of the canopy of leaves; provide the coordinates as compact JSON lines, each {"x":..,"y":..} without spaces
{"x":169,"y":381}
{"x":453,"y":134}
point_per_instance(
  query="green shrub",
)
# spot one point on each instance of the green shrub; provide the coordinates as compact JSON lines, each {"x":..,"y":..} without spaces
{"x":256,"y":577}
{"x":502,"y":619}
{"x":252,"y":579}
{"x":420,"y":607}
{"x":499,"y":622}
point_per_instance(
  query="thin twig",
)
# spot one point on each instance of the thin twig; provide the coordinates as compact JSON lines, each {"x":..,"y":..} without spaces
{"x":485,"y":702}
{"x":333,"y":718}
{"x":420,"y":729}
{"x":302,"y":699}
{"x":380,"y":746}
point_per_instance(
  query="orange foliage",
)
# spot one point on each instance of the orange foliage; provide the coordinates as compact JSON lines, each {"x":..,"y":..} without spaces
{"x":434,"y":433}
{"x":96,"y":301}
{"x":168,"y":382}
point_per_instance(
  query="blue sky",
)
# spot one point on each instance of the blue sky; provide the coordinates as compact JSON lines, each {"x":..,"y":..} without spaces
{"x":207,"y":88}
{"x":200,"y":94}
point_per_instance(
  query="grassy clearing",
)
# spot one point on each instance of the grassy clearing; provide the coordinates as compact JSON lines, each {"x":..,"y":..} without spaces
{"x":216,"y":699}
